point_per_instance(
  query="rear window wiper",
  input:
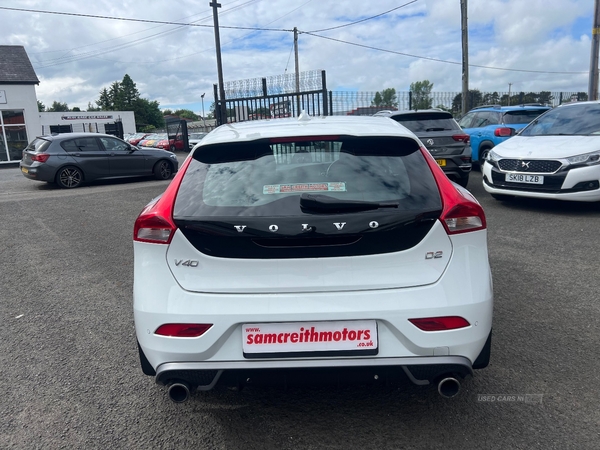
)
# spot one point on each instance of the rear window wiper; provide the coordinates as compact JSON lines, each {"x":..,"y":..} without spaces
{"x":316,"y":202}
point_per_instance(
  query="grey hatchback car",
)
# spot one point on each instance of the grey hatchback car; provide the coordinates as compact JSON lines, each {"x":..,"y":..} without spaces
{"x":70,"y":159}
{"x":442,"y":136}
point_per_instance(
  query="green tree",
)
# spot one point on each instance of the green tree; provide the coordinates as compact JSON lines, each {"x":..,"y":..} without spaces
{"x":116,"y":97}
{"x":167,"y":112}
{"x":186,"y":114}
{"x":58,"y":107}
{"x":582,"y":97}
{"x":91,"y":107}
{"x":76,"y":109}
{"x":386,"y":98}
{"x":545,"y":97}
{"x":475,"y":98}
{"x":491,"y":98}
{"x":421,"y":94}
{"x":104,"y":102}
{"x":124,"y":96}
{"x":128,"y":93}
{"x":41,"y":106}
{"x":147,"y":113}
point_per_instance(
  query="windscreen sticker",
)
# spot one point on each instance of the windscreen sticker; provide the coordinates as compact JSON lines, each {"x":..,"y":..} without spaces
{"x":304,"y":187}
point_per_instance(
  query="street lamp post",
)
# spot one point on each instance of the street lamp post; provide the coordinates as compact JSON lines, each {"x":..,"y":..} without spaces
{"x":203,"y":119}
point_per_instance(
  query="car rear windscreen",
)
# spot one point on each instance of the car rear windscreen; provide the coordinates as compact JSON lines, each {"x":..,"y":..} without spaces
{"x":269,"y":177}
{"x":520,"y":117}
{"x":424,"y":122}
{"x":38,"y":145}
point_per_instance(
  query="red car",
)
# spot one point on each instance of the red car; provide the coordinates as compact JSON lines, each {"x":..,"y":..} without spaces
{"x":171,"y":144}
{"x":137,"y":137}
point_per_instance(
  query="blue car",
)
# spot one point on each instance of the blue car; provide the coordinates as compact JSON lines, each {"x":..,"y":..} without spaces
{"x":487,"y":126}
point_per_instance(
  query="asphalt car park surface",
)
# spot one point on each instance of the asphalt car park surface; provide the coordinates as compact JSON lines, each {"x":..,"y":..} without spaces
{"x":71,"y":371}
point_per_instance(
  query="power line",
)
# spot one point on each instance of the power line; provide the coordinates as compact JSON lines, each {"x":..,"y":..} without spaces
{"x":127,"y":19}
{"x":362,"y":20}
{"x":310,"y":33}
{"x":436,"y":59}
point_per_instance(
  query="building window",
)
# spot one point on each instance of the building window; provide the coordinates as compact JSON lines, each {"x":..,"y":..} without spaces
{"x":13,"y":135}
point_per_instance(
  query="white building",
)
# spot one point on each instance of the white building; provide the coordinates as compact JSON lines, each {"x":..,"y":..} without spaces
{"x":88,"y":122}
{"x":20,"y":120}
{"x":19,"y":117}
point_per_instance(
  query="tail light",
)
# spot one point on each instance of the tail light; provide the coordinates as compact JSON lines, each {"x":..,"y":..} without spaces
{"x":155,"y":222}
{"x":183,"y":329}
{"x":461,"y":138}
{"x":440,"y":323}
{"x":40,"y":157}
{"x":461,"y":212}
{"x":504,"y":132}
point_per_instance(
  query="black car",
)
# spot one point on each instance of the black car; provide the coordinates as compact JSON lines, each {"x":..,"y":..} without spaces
{"x":442,"y":136}
{"x":70,"y":159}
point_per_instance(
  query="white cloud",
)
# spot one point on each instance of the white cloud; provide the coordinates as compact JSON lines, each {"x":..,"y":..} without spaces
{"x":75,"y":57}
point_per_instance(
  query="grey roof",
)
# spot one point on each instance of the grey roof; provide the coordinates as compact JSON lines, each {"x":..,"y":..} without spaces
{"x":15,"y":67}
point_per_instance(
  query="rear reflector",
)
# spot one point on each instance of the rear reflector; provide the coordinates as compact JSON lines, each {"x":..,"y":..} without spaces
{"x":183,"y":329}
{"x":440,"y":323}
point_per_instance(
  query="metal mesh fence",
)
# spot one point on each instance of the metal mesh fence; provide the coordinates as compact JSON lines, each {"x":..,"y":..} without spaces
{"x":364,"y":103}
{"x":311,"y":80}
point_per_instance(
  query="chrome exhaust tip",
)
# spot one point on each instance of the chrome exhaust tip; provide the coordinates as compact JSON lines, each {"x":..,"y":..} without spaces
{"x":179,"y":392}
{"x":448,"y":387}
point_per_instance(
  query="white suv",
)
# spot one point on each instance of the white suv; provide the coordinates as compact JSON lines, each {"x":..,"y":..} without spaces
{"x":290,"y":246}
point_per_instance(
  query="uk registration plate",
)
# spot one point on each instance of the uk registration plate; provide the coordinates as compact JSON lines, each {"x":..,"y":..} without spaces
{"x":524,"y":178}
{"x":24,"y":170}
{"x":441,"y":162}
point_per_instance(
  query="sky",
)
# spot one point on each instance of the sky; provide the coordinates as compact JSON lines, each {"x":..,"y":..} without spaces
{"x":535,"y":45}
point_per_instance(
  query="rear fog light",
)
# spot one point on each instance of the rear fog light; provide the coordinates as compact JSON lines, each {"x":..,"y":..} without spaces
{"x":440,"y":323}
{"x":183,"y":329}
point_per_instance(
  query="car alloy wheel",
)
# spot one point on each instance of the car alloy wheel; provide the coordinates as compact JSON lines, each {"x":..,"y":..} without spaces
{"x":69,"y":177}
{"x":163,"y":170}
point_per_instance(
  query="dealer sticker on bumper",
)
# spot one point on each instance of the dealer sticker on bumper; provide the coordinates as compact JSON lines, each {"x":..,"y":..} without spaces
{"x":309,"y":337}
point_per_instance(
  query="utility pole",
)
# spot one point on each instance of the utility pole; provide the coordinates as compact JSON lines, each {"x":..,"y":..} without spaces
{"x":593,"y":84}
{"x":509,"y":86}
{"x":465,"y":55}
{"x":297,"y":71}
{"x":203,"y":118}
{"x":221,"y":110}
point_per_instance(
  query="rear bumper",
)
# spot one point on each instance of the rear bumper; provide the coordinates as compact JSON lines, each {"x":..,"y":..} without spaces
{"x":37,"y":172}
{"x":456,"y":168}
{"x":420,"y":370}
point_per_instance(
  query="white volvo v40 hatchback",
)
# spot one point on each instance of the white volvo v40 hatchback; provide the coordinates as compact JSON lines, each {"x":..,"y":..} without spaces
{"x":313,"y":245}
